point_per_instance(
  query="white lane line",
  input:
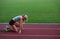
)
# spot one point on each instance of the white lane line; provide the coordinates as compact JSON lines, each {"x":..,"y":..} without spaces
{"x":27,"y":35}
{"x":44,"y":28}
{"x":35,"y":23}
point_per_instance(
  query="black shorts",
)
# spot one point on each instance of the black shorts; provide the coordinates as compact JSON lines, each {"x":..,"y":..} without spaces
{"x":11,"y":22}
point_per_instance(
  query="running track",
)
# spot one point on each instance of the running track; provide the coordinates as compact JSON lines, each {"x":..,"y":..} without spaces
{"x":33,"y":31}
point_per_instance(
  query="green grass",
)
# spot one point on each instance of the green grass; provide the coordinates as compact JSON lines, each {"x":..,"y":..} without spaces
{"x":39,"y":11}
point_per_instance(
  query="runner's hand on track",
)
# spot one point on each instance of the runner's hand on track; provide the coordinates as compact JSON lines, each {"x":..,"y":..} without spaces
{"x":19,"y":31}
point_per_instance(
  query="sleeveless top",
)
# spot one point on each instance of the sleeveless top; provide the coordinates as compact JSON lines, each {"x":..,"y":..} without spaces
{"x":16,"y":18}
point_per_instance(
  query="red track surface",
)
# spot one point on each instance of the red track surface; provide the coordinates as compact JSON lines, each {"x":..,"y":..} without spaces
{"x":33,"y":31}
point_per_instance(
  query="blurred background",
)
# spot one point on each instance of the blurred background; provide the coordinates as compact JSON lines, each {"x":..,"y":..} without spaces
{"x":38,"y":11}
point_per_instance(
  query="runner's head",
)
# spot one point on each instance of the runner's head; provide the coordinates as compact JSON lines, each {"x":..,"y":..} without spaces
{"x":25,"y":17}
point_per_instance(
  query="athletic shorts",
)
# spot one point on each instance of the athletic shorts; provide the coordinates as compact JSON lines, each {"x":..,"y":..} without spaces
{"x":11,"y":22}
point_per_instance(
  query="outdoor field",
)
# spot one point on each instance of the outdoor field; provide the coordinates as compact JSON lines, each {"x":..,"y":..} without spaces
{"x":39,"y":11}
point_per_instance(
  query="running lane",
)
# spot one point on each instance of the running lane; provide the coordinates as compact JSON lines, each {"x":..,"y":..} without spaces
{"x":33,"y":31}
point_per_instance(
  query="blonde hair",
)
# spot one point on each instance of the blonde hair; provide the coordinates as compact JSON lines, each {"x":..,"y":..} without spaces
{"x":25,"y":17}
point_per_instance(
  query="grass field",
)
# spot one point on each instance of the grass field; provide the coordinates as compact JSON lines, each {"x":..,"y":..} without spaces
{"x":39,"y":11}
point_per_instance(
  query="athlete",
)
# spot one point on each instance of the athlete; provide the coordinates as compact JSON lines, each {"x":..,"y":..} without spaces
{"x":16,"y":23}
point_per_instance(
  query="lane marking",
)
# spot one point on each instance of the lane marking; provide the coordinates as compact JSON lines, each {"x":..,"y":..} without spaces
{"x":35,"y":23}
{"x":27,"y":35}
{"x":44,"y":28}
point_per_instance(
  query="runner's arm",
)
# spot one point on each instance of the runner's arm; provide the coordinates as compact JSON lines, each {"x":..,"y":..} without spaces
{"x":20,"y":24}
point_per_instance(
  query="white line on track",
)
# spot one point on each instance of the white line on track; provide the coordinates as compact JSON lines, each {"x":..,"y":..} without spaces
{"x":44,"y":28}
{"x":27,"y":35}
{"x":35,"y":23}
